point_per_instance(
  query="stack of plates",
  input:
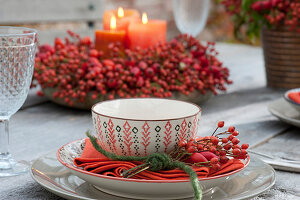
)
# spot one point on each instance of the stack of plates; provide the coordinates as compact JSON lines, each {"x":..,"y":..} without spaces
{"x":71,"y":182}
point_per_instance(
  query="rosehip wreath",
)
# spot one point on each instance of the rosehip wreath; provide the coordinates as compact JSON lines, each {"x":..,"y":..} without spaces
{"x":77,"y":71}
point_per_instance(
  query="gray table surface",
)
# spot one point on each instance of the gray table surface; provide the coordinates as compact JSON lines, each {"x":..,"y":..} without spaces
{"x":42,"y":126}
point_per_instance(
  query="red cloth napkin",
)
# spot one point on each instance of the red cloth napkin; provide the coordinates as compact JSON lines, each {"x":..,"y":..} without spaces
{"x":93,"y":161}
{"x":295,"y":96}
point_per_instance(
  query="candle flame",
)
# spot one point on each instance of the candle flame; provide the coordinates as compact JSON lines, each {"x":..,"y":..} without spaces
{"x":120,"y":12}
{"x":113,"y":23}
{"x":144,"y":18}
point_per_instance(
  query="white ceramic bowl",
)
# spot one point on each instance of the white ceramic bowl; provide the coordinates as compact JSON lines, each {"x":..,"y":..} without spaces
{"x":142,"y":126}
{"x":137,"y":188}
{"x":291,"y":102}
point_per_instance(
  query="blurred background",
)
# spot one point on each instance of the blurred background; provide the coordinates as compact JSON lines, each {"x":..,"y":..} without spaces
{"x":53,"y":17}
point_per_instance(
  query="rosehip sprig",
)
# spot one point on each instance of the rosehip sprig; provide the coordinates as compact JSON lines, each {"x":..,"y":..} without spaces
{"x":212,"y":151}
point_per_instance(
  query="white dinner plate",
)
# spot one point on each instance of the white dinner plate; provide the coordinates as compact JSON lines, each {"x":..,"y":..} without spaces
{"x":49,"y":173}
{"x":285,"y":112}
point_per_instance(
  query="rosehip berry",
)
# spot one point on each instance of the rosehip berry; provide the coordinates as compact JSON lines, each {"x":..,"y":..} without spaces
{"x":231,"y":129}
{"x":227,"y":147}
{"x":135,"y":71}
{"x":93,"y":53}
{"x":221,"y":124}
{"x":222,"y":153}
{"x":182,"y":143}
{"x":224,"y":159}
{"x":40,"y":93}
{"x":236,"y":151}
{"x":230,"y":137}
{"x":191,"y":149}
{"x":214,"y":160}
{"x":245,"y":146}
{"x":236,"y":146}
{"x":212,"y":149}
{"x":190,"y":144}
{"x":243,"y":152}
{"x":235,"y":133}
{"x":224,"y":140}
{"x":214,"y":140}
{"x":200,"y":147}
{"x":235,"y":141}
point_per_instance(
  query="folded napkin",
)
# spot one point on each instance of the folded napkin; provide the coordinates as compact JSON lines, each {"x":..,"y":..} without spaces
{"x":93,"y":161}
{"x":295,"y":96}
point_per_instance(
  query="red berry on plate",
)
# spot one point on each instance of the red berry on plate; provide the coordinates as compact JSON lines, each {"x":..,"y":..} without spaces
{"x":214,"y":160}
{"x":191,"y":149}
{"x":222,"y":153}
{"x":231,"y":129}
{"x":227,"y":147}
{"x":200,"y":147}
{"x":236,"y":152}
{"x":243,"y":152}
{"x":224,"y":140}
{"x":230,"y":137}
{"x":220,"y":124}
{"x":224,"y":159}
{"x":235,"y":133}
{"x":214,"y":140}
{"x":245,"y":146}
{"x":212,"y":149}
{"x":235,"y":141}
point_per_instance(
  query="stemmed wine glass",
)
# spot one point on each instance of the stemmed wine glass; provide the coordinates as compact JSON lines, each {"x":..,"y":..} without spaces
{"x":191,"y":15}
{"x":17,"y":53}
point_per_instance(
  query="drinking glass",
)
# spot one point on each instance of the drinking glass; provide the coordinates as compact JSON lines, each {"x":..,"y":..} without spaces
{"x":17,"y":53}
{"x":191,"y":15}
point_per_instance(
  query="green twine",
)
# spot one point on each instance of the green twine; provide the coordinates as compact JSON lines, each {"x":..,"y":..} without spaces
{"x":157,"y":161}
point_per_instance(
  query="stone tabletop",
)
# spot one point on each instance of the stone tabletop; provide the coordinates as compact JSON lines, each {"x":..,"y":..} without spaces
{"x":42,"y":126}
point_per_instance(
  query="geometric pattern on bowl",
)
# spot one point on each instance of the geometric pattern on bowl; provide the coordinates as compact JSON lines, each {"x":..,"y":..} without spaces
{"x":136,"y":138}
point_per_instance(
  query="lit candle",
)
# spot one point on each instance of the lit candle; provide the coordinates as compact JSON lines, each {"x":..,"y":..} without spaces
{"x":123,"y":19}
{"x":147,"y":33}
{"x":104,"y":37}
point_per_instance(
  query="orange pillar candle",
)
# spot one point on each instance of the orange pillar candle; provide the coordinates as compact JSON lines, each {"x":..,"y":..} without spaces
{"x":123,"y":18}
{"x":104,"y":37}
{"x":147,"y":33}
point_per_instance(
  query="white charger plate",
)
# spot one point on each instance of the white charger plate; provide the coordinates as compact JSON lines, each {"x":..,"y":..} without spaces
{"x":285,"y":112}
{"x":256,"y":178}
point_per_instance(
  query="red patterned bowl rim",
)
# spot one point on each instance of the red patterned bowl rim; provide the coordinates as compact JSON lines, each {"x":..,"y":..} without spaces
{"x":199,"y":111}
{"x":142,"y":180}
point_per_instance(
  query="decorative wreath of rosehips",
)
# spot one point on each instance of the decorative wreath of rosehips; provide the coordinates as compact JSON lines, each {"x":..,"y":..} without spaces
{"x":76,"y":70}
{"x":257,"y":13}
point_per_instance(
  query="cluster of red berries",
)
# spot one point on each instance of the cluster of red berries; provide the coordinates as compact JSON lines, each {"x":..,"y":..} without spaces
{"x":78,"y":71}
{"x":213,"y":150}
{"x":276,"y":12}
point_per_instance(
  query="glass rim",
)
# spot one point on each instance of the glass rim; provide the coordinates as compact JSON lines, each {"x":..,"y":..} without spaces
{"x":31,"y":31}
